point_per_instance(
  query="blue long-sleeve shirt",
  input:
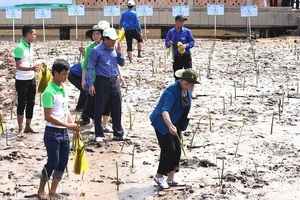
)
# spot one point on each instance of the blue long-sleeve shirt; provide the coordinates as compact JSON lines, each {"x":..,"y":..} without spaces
{"x":130,"y":20}
{"x":170,"y":101}
{"x":184,"y":35}
{"x":105,"y":61}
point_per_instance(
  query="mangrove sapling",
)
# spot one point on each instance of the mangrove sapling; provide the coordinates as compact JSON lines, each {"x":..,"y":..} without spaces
{"x":179,"y":139}
{"x":6,"y":136}
{"x":287,"y":92}
{"x":210,"y":120}
{"x":238,"y":142}
{"x":159,"y":61}
{"x":48,"y":183}
{"x":210,"y":58}
{"x":132,"y":159}
{"x":297,"y":88}
{"x":222,"y":172}
{"x":131,"y":119}
{"x":195,"y":131}
{"x":152,"y":64}
{"x":234,"y":85}
{"x":244,"y":83}
{"x":282,"y":102}
{"x":117,"y":172}
{"x":12,"y":106}
{"x":279,"y":110}
{"x":272,"y":122}
{"x":200,"y":73}
{"x":223,"y":106}
{"x":230,"y":99}
{"x":122,"y":147}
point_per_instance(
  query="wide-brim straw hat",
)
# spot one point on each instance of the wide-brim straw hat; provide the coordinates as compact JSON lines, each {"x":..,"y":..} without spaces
{"x":189,"y":75}
{"x":89,"y":33}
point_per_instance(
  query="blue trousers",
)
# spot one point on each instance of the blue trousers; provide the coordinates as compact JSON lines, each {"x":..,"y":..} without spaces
{"x":108,"y":92}
{"x":57,"y":145}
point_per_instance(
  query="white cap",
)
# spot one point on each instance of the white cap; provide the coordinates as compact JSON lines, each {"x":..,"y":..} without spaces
{"x":130,"y":3}
{"x":103,"y":24}
{"x":111,"y":33}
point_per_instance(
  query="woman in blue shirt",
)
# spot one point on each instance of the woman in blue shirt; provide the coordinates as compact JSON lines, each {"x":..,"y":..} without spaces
{"x":169,"y":118}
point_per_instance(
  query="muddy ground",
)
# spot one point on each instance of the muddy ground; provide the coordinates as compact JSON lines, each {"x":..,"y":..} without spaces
{"x":243,"y":87}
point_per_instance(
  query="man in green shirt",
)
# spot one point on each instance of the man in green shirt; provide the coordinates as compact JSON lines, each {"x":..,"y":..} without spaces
{"x":56,"y":138}
{"x":25,"y":78}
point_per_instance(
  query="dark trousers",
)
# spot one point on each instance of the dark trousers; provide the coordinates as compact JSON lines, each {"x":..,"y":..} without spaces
{"x":286,"y":3}
{"x":26,"y":90}
{"x":297,"y":4}
{"x":169,"y":154}
{"x":182,"y":62}
{"x":130,"y":34}
{"x":57,"y":144}
{"x":273,"y":3}
{"x":108,"y":91}
{"x":76,"y":81}
{"x":90,"y":107}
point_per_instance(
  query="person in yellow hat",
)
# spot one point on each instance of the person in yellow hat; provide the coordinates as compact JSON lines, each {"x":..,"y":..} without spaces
{"x":169,"y":119}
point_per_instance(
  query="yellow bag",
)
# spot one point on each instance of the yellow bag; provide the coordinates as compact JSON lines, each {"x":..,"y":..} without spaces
{"x":80,"y":162}
{"x":44,"y":79}
{"x":1,"y":126}
{"x":121,"y":35}
{"x":179,"y":44}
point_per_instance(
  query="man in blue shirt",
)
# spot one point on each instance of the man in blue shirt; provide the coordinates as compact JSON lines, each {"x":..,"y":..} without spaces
{"x":182,"y":54}
{"x":131,"y":23}
{"x":105,"y":59}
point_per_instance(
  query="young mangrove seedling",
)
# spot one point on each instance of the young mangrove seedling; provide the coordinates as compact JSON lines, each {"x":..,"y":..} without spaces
{"x":238,"y":142}
{"x":152,"y":64}
{"x":210,"y":120}
{"x":48,"y":183}
{"x":195,"y":131}
{"x":272,"y":122}
{"x":222,"y":172}
{"x":12,"y":106}
{"x":200,"y":73}
{"x":234,"y":85}
{"x":244,"y":83}
{"x":131,"y":119}
{"x":117,"y":172}
{"x":132,"y":159}
{"x":279,"y":110}
{"x":223,"y":106}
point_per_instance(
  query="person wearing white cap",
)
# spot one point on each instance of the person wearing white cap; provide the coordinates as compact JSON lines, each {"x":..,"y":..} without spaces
{"x":130,"y":21}
{"x":95,"y":34}
{"x":104,"y":59}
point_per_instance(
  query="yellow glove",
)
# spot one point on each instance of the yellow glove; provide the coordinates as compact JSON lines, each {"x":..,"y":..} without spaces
{"x":180,"y":50}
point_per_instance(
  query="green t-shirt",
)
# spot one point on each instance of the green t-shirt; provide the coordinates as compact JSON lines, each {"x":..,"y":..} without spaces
{"x":56,"y":97}
{"x":86,"y":59}
{"x":24,"y":51}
